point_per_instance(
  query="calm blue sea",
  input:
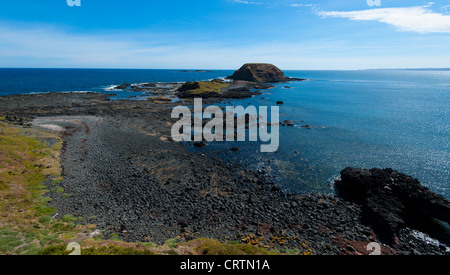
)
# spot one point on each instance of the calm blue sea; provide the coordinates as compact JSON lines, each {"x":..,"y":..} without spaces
{"x":371,"y":118}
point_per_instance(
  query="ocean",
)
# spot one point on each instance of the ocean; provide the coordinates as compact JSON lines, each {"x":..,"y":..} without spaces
{"x":395,"y":119}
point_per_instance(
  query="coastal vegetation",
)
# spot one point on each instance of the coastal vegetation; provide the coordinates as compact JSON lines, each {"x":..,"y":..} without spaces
{"x":201,"y":88}
{"x":208,"y":87}
{"x":201,"y":246}
{"x":27,"y":162}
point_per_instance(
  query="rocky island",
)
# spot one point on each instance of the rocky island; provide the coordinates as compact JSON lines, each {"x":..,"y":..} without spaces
{"x":261,"y":73}
{"x":244,"y":83}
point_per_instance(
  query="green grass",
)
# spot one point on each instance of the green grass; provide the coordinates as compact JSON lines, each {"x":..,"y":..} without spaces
{"x":3,"y":185}
{"x":115,"y":237}
{"x":202,"y":246}
{"x":7,"y":232}
{"x":29,"y":249}
{"x":172,"y":243}
{"x":9,"y":240}
{"x":215,"y":247}
{"x":149,"y":244}
{"x":8,"y":243}
{"x":102,"y":250}
{"x":209,"y":87}
{"x":26,"y":216}
{"x":58,"y":189}
{"x":45,"y":220}
{"x":68,"y":218}
{"x":56,"y":181}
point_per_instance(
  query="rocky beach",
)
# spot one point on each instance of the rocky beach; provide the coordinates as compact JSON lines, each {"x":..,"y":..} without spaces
{"x":122,"y":172}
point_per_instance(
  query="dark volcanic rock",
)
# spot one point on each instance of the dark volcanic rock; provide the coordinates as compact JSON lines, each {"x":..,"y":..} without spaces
{"x":17,"y":120}
{"x":260,"y":72}
{"x":238,"y":92}
{"x":287,"y":123}
{"x":189,"y":86}
{"x":199,"y":144}
{"x":392,"y":201}
{"x":123,"y":86}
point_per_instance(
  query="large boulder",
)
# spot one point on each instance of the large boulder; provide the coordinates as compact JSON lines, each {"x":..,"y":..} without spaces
{"x":391,"y":201}
{"x":260,"y":72}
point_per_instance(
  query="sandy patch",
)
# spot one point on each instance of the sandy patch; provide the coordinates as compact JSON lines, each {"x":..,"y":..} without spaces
{"x":52,"y":127}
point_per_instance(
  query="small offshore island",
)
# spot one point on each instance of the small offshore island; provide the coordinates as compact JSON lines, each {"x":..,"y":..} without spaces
{"x":121,"y":176}
{"x":239,"y":85}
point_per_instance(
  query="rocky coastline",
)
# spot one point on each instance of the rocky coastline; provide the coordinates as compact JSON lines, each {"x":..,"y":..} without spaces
{"x":123,"y":173}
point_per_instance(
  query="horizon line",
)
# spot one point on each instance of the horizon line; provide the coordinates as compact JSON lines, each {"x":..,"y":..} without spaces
{"x":203,"y":69}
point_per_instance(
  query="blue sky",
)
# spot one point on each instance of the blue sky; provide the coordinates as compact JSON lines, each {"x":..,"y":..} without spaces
{"x":224,"y":34}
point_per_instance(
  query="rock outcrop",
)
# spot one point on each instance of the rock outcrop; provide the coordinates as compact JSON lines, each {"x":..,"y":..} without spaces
{"x":215,"y":89}
{"x":18,"y":120}
{"x":260,"y":72}
{"x":392,"y":201}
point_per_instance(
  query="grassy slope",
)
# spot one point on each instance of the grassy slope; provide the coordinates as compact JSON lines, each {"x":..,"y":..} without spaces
{"x":26,"y":162}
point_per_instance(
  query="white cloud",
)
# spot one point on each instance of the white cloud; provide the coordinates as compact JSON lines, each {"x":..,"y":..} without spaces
{"x":44,"y":46}
{"x":419,"y":19}
{"x":48,"y":47}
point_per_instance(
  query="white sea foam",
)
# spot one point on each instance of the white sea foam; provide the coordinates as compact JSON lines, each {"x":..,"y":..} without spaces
{"x":110,"y":88}
{"x":223,"y":78}
{"x":78,"y":92}
{"x":427,"y":239}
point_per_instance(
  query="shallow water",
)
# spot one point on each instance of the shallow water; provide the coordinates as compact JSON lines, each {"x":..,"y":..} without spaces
{"x":376,"y":118}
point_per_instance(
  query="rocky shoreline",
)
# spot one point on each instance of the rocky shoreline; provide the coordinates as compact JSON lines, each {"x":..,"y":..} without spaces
{"x":123,"y":173}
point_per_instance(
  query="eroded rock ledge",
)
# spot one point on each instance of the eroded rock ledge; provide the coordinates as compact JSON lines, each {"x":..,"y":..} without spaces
{"x":392,"y":201}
